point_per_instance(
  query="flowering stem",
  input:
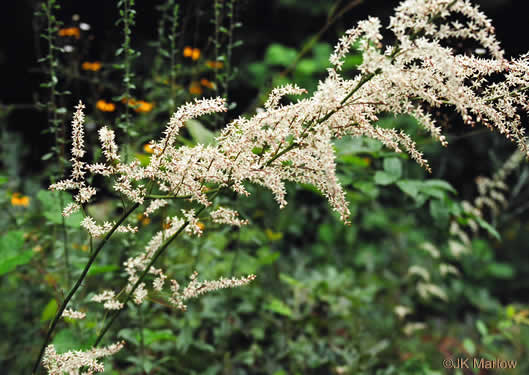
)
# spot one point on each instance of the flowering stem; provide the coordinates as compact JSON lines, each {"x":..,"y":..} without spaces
{"x":155,"y":196}
{"x":78,"y":284}
{"x":362,"y":81}
{"x":158,"y":253}
{"x":139,"y":281}
{"x":514,"y":93}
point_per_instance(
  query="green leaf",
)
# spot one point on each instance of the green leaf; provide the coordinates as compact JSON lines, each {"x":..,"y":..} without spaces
{"x":410,"y":187}
{"x":307,"y":67}
{"x":11,"y":255}
{"x":367,"y":188}
{"x":199,"y":133}
{"x":489,"y":228}
{"x":66,"y":340}
{"x":469,"y":346}
{"x":384,"y":178}
{"x":51,"y":208}
{"x":439,"y":212}
{"x":3,"y":179}
{"x":49,"y":311}
{"x":279,"y":307}
{"x":440,"y":184}
{"x":482,"y":328}
{"x":96,"y":270}
{"x":276,"y":54}
{"x":501,"y":270}
{"x":151,"y":336}
{"x":265,"y":256}
{"x":290,"y":280}
{"x":433,"y":192}
{"x":393,"y":166}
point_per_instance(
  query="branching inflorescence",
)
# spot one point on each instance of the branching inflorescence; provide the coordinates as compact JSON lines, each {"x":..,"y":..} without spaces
{"x":294,"y":142}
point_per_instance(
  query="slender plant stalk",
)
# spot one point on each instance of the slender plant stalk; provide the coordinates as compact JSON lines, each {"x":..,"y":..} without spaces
{"x":158,"y":253}
{"x":78,"y":284}
{"x":52,"y":28}
{"x":127,"y":13}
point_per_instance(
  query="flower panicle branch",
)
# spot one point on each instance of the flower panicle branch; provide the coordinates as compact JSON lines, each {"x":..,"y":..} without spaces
{"x":294,"y":142}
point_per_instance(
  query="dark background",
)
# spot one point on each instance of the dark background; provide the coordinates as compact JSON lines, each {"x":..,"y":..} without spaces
{"x":264,"y":22}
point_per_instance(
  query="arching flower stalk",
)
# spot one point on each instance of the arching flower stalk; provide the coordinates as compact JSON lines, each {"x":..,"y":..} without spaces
{"x":294,"y":142}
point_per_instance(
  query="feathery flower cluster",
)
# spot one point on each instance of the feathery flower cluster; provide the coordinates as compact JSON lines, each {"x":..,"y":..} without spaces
{"x":72,"y":314}
{"x":73,"y":361}
{"x":224,"y":215}
{"x":109,"y":299}
{"x":294,"y":142}
{"x":491,"y":196}
{"x":196,"y":288}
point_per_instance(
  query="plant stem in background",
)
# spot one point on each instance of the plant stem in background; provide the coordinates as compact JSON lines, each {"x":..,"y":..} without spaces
{"x":172,"y":52}
{"x":127,"y":13}
{"x":57,"y":127}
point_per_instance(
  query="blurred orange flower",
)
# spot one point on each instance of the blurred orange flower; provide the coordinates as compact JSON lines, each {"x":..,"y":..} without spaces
{"x":140,"y":106}
{"x":196,"y":54}
{"x":93,"y":66}
{"x":193,"y":53}
{"x":144,"y":220}
{"x":70,"y":31}
{"x":147,"y":148}
{"x":18,"y":199}
{"x":195,"y":89}
{"x":104,"y":106}
{"x":188,"y":51}
{"x":207,"y":83}
{"x":214,"y":64}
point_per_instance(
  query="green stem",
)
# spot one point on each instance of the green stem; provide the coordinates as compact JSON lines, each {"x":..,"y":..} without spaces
{"x":78,"y":284}
{"x":362,"y":81}
{"x":158,"y":253}
{"x":514,"y":93}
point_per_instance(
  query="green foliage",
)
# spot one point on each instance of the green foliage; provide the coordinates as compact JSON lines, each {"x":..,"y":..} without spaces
{"x":12,"y":253}
{"x":326,"y":297}
{"x":51,"y":208}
